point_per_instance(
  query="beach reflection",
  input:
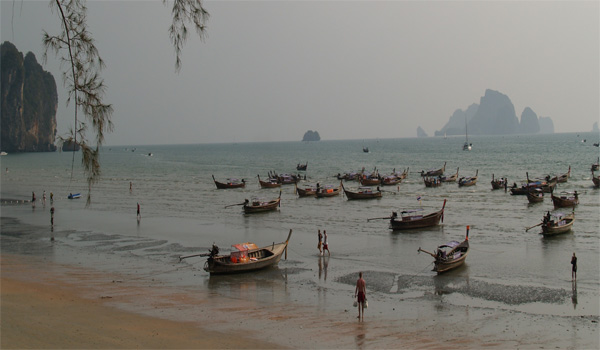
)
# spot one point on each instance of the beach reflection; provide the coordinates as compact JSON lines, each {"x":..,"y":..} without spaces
{"x":268,"y":285}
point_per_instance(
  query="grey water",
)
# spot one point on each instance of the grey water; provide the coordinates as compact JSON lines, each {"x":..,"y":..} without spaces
{"x":184,"y":213}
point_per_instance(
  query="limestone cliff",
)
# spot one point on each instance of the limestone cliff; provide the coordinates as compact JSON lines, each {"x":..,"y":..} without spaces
{"x":529,"y":122}
{"x":29,"y":103}
{"x":311,"y":136}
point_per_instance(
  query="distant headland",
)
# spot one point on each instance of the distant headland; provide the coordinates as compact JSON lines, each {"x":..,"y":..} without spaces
{"x":311,"y":136}
{"x":495,"y":115}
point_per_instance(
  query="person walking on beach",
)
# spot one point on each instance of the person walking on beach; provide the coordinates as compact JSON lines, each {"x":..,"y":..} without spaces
{"x":361,"y":293}
{"x":320,"y":240}
{"x":33,"y":199}
{"x":574,"y":267}
{"x":44,"y":198}
{"x":130,"y":186}
{"x":139,"y":216}
{"x":325,"y":243}
{"x":52,"y":216}
{"x":51,"y":197}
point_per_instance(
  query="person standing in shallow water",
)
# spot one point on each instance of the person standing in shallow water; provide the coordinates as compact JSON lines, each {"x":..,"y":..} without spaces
{"x":139,"y":216}
{"x":574,"y":267}
{"x":319,"y":245}
{"x":361,"y":293}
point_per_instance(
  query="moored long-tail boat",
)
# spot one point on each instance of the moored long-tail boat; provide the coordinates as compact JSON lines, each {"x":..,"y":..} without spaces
{"x":450,"y":255}
{"x":500,"y":183}
{"x":390,"y":180}
{"x":271,"y":183}
{"x":569,"y":199}
{"x":328,"y":191}
{"x":450,"y":178}
{"x":248,"y":257}
{"x":257,"y":205}
{"x":432,"y":181}
{"x":411,"y":219}
{"x":362,"y":193}
{"x":530,"y":185}
{"x":231,"y":183}
{"x":306,"y":191}
{"x":302,"y":167}
{"x":595,"y":180}
{"x":434,"y":172}
{"x":557,"y":223}
{"x":535,"y":196}
{"x":564,"y":177}
{"x":468,"y":181}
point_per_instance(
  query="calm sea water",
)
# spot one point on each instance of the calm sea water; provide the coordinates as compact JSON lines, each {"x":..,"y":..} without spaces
{"x":183,"y":213}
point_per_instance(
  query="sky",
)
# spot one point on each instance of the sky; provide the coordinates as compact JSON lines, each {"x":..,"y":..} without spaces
{"x":271,"y":70}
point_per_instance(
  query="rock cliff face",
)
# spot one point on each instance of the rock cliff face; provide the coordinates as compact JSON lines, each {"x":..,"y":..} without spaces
{"x":546,"y":125}
{"x":29,"y":103}
{"x":529,"y":122}
{"x":421,"y":132}
{"x":495,"y":115}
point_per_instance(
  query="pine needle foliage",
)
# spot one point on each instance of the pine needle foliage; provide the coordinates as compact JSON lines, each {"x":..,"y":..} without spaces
{"x":82,"y":65}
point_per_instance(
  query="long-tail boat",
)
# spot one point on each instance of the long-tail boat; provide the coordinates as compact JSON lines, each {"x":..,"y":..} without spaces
{"x":468,"y":181}
{"x":450,"y":255}
{"x":557,"y":223}
{"x":231,"y":183}
{"x":535,"y":196}
{"x":432,"y":181}
{"x":434,"y":172}
{"x":411,"y":219}
{"x":450,"y":178}
{"x":306,"y":191}
{"x":500,"y":183}
{"x":248,"y":257}
{"x":569,"y":199}
{"x":362,"y":193}
{"x":271,"y":183}
{"x":257,"y":205}
{"x":564,"y":177}
{"x":328,"y":191}
{"x":302,"y":167}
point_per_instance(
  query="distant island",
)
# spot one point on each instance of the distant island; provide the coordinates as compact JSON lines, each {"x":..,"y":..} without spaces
{"x":495,"y":115}
{"x":311,"y":136}
{"x":421,"y":132}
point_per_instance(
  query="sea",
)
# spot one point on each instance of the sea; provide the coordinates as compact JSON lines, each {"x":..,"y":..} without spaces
{"x":509,"y":269}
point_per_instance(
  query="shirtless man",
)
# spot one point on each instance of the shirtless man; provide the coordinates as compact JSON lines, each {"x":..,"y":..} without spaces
{"x":361,"y":293}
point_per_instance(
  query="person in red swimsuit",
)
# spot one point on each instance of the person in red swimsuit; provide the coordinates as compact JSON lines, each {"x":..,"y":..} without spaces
{"x":361,"y":293}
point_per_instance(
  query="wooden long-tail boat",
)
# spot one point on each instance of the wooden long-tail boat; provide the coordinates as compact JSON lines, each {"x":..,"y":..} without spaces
{"x":596,"y":166}
{"x":468,"y":181}
{"x":432,"y":181}
{"x":595,"y":180}
{"x":450,"y":178}
{"x":306,"y":191}
{"x":530,"y":185}
{"x":248,"y":257}
{"x":287,"y":179}
{"x":500,"y":183}
{"x":570,"y":199}
{"x":328,"y":191}
{"x":434,"y":172}
{"x":231,"y":183}
{"x":390,"y":180}
{"x":535,"y":196}
{"x":302,"y":167}
{"x":362,"y":193}
{"x":450,"y":255}
{"x":564,"y":177}
{"x":271,"y":183}
{"x":257,"y":205}
{"x":411,"y":219}
{"x":557,"y":223}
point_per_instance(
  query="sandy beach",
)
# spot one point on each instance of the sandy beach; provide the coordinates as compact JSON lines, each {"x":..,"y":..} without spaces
{"x":45,"y":316}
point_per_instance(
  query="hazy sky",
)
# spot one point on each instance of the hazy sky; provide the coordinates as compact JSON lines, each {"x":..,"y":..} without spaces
{"x":271,"y":70}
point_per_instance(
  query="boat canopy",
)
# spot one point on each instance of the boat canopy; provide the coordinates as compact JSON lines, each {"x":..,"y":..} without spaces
{"x":451,"y":244}
{"x":245,"y":246}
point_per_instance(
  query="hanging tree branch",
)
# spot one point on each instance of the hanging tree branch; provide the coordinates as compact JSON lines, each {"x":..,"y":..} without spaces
{"x":75,"y":49}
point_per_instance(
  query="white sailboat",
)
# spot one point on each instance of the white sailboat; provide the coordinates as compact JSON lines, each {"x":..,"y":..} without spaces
{"x":467,"y":146}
